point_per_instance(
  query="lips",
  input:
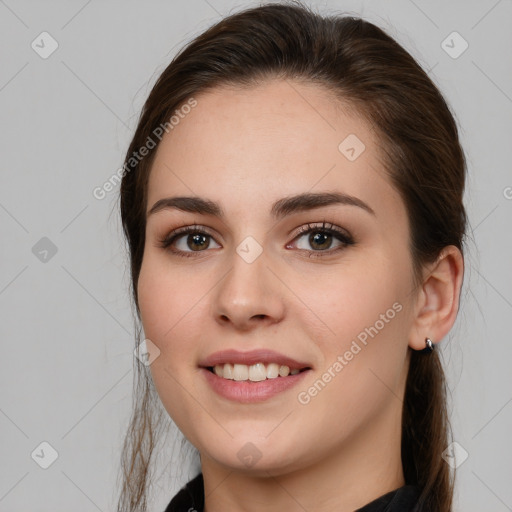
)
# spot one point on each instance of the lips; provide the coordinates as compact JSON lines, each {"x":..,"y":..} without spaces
{"x":252,"y":357}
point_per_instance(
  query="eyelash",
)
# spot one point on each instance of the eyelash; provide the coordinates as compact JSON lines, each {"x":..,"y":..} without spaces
{"x":326,"y":228}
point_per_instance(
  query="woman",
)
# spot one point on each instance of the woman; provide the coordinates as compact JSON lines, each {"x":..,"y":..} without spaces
{"x":292,"y":200}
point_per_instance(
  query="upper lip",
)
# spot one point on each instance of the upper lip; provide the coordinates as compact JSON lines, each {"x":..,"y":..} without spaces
{"x":264,"y":356}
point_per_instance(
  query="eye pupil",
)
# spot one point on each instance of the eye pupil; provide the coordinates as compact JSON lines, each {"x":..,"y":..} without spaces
{"x":198,"y":242}
{"x":320,"y":239}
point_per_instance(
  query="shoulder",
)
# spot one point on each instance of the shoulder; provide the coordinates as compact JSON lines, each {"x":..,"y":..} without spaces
{"x":190,"y":498}
{"x":404,"y":499}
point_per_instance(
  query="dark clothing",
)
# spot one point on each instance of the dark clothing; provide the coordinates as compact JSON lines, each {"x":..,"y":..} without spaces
{"x":190,"y":498}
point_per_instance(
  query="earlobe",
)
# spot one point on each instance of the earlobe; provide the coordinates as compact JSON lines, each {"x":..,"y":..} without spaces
{"x":438,"y":304}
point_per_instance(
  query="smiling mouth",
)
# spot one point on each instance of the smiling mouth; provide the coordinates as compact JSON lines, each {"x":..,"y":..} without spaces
{"x":254,"y":372}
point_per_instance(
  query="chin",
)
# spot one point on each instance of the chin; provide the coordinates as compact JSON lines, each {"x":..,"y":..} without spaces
{"x":259,"y":458}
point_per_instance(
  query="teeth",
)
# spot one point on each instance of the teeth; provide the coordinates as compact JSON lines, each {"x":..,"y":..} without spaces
{"x":272,"y":371}
{"x":228,"y":372}
{"x":284,"y":371}
{"x":255,"y":372}
{"x":240,"y":372}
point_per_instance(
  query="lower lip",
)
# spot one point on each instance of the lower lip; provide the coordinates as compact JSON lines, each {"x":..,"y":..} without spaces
{"x":248,"y":391}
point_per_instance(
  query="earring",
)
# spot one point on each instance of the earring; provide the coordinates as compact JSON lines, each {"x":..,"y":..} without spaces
{"x":429,"y":346}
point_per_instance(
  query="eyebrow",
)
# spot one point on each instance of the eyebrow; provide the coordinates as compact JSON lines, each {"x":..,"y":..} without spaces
{"x":281,"y":208}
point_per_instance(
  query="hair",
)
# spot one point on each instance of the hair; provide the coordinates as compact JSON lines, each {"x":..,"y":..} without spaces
{"x":368,"y":70}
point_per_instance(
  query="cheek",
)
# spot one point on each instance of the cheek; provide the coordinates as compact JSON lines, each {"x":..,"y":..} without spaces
{"x":170,"y":312}
{"x":352,"y":297}
{"x":359,"y":321}
{"x":164,"y":298}
{"x":168,"y":308}
{"x":363,"y":347}
{"x":152,"y":300}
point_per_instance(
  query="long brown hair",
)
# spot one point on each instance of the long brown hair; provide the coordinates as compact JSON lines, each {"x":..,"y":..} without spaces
{"x":365,"y":67}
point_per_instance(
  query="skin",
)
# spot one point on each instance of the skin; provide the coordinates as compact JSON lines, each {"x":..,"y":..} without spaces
{"x":245,"y":149}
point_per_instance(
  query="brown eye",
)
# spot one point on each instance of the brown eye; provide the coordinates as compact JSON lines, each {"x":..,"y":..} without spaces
{"x":320,"y":239}
{"x":197,"y":242}
{"x":188,"y":240}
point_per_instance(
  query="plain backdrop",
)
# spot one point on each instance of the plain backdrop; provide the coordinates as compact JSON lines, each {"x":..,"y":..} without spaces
{"x":66,"y":327}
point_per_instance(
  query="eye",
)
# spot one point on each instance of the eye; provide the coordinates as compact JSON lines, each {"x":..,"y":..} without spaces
{"x":190,"y":240}
{"x":320,"y":239}
{"x":187,"y":240}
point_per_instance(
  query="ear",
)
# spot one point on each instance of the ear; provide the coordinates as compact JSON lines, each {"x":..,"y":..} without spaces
{"x":438,"y":298}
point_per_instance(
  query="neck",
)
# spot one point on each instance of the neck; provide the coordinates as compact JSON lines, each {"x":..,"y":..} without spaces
{"x":363,"y":468}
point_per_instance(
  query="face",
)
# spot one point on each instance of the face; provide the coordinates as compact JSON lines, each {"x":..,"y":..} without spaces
{"x":325,"y":282}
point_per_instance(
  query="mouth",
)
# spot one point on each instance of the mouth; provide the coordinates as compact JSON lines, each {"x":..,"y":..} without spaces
{"x":253,"y":376}
{"x":254,"y":365}
{"x":254,"y":372}
{"x":240,"y":388}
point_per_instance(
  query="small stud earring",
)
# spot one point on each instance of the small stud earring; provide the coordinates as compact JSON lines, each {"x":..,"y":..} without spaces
{"x":429,"y":346}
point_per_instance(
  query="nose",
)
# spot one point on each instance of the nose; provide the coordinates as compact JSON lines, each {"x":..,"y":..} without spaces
{"x":249,"y":295}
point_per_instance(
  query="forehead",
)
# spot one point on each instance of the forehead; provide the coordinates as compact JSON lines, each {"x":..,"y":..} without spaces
{"x":254,"y":144}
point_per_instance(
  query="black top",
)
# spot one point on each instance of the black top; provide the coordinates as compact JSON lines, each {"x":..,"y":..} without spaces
{"x":191,"y":497}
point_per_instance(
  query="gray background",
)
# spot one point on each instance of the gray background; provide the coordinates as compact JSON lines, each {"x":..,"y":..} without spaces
{"x":66,"y":327}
